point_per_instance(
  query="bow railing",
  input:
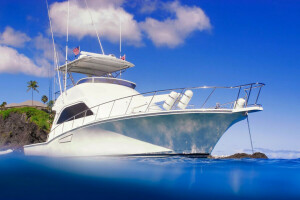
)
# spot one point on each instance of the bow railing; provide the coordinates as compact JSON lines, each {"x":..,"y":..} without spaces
{"x":204,"y":97}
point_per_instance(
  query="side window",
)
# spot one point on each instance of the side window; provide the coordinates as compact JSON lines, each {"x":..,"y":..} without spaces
{"x":73,"y":110}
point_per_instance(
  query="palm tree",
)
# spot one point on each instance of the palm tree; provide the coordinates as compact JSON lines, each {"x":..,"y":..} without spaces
{"x":2,"y":106}
{"x":44,"y":99}
{"x":32,"y":85}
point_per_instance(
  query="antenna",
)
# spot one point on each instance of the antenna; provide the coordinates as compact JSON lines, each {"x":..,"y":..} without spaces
{"x":54,"y":95}
{"x":94,"y":27}
{"x":54,"y":49}
{"x":65,"y":89}
{"x":120,"y":37}
{"x":50,"y":84}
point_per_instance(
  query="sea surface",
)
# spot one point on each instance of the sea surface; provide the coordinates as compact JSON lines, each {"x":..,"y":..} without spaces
{"x":148,"y":178}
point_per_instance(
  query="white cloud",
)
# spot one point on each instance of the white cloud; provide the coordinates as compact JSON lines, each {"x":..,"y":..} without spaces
{"x":172,"y":32}
{"x":13,"y":38}
{"x":106,"y":15}
{"x":14,"y":62}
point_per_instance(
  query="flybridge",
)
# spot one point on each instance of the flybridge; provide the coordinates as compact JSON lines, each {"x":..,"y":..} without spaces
{"x":96,"y":64}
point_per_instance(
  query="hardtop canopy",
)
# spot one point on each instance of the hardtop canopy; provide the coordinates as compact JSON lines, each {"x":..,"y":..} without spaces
{"x":96,"y":64}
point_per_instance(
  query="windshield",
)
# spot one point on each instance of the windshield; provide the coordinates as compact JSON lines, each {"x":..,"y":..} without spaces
{"x":107,"y":80}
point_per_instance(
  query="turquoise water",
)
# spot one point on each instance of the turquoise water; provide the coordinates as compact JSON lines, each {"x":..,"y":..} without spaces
{"x":147,"y":178}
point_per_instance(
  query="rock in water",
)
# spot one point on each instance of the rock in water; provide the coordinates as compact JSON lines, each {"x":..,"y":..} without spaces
{"x":259,"y":155}
{"x":17,"y":130}
{"x":242,"y":155}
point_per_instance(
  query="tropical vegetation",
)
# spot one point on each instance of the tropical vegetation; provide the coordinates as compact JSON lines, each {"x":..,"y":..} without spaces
{"x":41,"y":118}
{"x":2,"y":106}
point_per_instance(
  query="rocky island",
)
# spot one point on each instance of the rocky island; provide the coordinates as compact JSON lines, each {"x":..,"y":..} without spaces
{"x":241,"y":155}
{"x":23,"y":126}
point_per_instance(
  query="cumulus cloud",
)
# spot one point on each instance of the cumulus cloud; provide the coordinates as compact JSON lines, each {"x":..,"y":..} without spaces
{"x":105,"y":14}
{"x":13,"y":38}
{"x":172,"y":32}
{"x":14,"y":62}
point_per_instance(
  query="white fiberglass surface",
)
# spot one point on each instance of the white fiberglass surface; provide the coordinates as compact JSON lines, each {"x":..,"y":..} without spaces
{"x":98,"y":65}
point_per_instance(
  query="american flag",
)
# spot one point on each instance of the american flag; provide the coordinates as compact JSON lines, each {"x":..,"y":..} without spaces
{"x":76,"y":50}
{"x":123,"y":57}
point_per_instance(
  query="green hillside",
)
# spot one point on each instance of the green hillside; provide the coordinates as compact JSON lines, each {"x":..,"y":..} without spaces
{"x":41,"y":118}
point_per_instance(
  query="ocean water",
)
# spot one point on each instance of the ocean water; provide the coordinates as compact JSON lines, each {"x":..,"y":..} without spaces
{"x":147,"y":178}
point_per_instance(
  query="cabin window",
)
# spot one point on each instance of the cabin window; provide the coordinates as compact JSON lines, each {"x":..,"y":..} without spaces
{"x":76,"y":110}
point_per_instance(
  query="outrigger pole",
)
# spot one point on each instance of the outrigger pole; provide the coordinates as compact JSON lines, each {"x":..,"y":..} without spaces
{"x":54,"y":49}
{"x":120,"y":43}
{"x":94,"y":27}
{"x":120,"y":37}
{"x":66,"y":72}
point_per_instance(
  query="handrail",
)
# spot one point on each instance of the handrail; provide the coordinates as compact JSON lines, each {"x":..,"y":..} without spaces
{"x":245,"y":88}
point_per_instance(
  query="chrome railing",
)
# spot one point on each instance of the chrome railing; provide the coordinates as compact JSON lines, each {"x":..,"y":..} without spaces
{"x":148,"y":104}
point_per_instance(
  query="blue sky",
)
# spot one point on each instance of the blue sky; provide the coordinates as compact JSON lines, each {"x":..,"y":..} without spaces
{"x":223,"y":43}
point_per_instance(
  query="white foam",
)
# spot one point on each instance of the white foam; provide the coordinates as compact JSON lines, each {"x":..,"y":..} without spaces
{"x":6,"y":152}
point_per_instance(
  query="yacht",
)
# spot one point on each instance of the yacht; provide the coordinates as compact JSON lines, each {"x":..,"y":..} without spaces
{"x":103,"y":115}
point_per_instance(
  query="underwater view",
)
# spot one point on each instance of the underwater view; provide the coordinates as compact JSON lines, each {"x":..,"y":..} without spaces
{"x":148,"y":178}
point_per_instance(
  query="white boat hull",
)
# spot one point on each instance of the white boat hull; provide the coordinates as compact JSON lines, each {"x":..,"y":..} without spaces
{"x":164,"y":133}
